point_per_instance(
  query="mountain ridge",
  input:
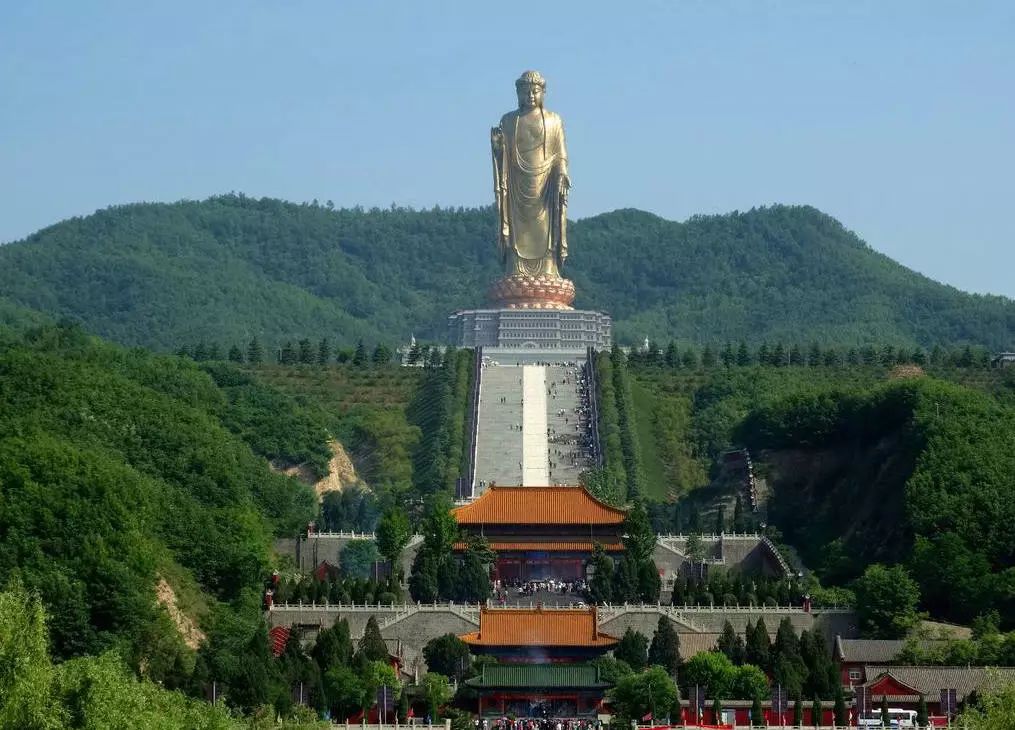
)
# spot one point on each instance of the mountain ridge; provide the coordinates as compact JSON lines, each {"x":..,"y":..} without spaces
{"x":231,"y":267}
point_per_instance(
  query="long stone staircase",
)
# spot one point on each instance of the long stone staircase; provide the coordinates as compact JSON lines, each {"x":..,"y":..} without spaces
{"x":528,"y":430}
{"x":499,"y":435}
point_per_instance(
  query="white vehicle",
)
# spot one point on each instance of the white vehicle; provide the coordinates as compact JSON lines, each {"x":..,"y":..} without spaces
{"x":896,"y":718}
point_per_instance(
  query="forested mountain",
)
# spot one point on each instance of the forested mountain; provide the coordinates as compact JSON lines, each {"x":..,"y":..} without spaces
{"x":231,"y":267}
{"x":125,"y":475}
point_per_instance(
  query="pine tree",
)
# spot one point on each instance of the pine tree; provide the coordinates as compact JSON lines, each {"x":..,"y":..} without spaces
{"x":796,"y":357}
{"x":884,"y":711}
{"x":743,"y":354}
{"x":921,"y":712}
{"x":764,"y":356}
{"x":708,"y":357}
{"x":625,"y":580}
{"x":200,"y":352}
{"x":665,"y":648}
{"x":601,"y":583}
{"x":757,"y":713}
{"x":372,"y":646}
{"x":720,"y":520}
{"x":779,"y":355}
{"x":632,"y":648}
{"x":255,"y":353}
{"x":816,"y":712}
{"x":689,"y":359}
{"x":814,"y":356}
{"x":323,"y":351}
{"x":788,"y":668}
{"x":758,"y":645}
{"x":727,"y":358}
{"x":672,"y":356}
{"x":717,"y":711}
{"x":731,"y":644}
{"x":306,"y":352}
{"x":234,"y":354}
{"x":798,"y":712}
{"x":839,"y":710}
{"x":381,"y":355}
{"x":359,"y":359}
{"x":287,"y":356}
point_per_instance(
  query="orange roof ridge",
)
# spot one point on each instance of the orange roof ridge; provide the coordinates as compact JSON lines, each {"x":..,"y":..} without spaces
{"x":538,"y":505}
{"x":538,"y":626}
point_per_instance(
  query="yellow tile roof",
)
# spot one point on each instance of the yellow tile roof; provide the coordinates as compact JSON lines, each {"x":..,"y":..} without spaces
{"x":538,"y":627}
{"x":538,"y":506}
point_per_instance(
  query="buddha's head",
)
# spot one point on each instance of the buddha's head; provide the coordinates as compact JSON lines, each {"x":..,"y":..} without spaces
{"x":530,"y":87}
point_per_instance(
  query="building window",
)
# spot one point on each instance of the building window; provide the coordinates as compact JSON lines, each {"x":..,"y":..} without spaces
{"x":854,"y":675}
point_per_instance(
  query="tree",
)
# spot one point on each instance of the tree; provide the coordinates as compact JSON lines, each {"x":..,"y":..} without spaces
{"x":448,"y":655}
{"x":757,"y":713}
{"x":437,"y":692}
{"x":633,"y":649}
{"x":841,"y":714}
{"x":26,"y":672}
{"x":255,"y":353}
{"x":651,"y":691}
{"x":885,"y":720}
{"x":333,"y":646}
{"x":743,"y":354}
{"x":788,"y":668}
{"x":235,"y":355}
{"x":393,"y":533}
{"x":708,"y":358}
{"x":816,"y":712}
{"x":886,"y":600}
{"x":731,"y":644}
{"x":601,"y":584}
{"x":371,"y":645}
{"x":798,"y":712}
{"x":306,"y":352}
{"x":287,"y":355}
{"x":377,"y":674}
{"x":758,"y":646}
{"x":323,"y":351}
{"x":665,"y":648}
{"x":344,"y":690}
{"x":381,"y":355}
{"x":359,"y":359}
{"x":717,"y":711}
{"x":474,"y":578}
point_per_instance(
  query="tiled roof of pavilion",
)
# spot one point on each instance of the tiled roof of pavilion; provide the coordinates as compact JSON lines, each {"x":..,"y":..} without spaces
{"x":538,"y":506}
{"x":538,"y":627}
{"x":929,"y":681}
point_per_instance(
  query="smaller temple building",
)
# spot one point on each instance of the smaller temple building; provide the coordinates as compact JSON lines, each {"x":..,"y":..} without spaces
{"x":541,"y":533}
{"x":539,"y":690}
{"x":543,"y":657}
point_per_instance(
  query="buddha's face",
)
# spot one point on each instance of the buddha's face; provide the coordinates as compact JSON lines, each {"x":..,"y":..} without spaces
{"x":530,"y":96}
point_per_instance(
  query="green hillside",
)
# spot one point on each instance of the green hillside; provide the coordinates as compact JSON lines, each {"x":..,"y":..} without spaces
{"x":120,"y":470}
{"x":230,"y":268}
{"x":862,"y":466}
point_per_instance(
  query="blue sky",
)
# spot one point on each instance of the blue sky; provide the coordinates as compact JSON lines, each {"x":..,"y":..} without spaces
{"x":898,"y":118}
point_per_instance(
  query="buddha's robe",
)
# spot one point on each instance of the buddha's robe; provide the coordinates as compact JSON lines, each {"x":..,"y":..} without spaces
{"x":528,"y":166}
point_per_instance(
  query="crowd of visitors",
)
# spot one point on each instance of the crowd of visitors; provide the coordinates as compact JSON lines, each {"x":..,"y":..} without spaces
{"x":538,"y":723}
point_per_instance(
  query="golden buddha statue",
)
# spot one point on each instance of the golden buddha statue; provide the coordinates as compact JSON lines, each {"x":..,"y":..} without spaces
{"x":531,"y":186}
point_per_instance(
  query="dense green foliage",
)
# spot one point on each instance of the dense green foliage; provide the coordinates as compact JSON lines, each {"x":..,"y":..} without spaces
{"x":926,"y":467}
{"x":94,"y":691}
{"x":120,"y":470}
{"x":439,"y":411}
{"x":231,"y":266}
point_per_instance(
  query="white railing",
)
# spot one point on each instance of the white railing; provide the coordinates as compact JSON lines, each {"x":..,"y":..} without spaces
{"x":470,"y":609}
